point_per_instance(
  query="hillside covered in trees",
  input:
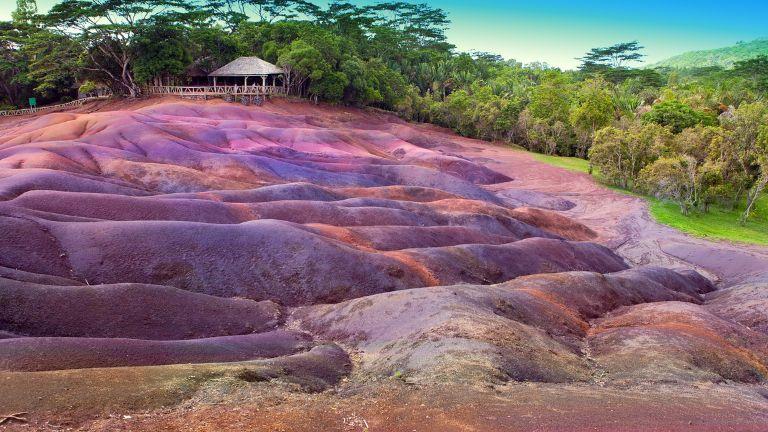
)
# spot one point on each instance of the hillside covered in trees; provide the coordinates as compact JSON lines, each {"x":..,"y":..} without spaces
{"x":697,"y":136}
{"x":724,"y":57}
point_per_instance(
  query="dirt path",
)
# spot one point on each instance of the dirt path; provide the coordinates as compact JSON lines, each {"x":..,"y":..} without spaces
{"x":622,"y":221}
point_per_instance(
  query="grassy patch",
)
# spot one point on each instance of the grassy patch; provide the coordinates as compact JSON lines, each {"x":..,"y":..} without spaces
{"x":569,"y":163}
{"x":718,"y":224}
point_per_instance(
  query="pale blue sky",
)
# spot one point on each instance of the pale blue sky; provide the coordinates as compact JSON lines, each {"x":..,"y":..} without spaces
{"x":557,"y":31}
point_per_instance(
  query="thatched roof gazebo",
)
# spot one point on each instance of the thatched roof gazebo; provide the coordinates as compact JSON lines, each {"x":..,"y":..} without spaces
{"x":247,"y":67}
{"x":231,"y":81}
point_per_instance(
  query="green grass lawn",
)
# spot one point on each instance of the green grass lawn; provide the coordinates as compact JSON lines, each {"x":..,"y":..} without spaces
{"x":569,"y":163}
{"x":718,"y":224}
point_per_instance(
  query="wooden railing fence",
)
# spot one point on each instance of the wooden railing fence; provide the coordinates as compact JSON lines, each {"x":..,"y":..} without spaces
{"x":196,"y":91}
{"x":76,"y":102}
{"x":234,"y":90}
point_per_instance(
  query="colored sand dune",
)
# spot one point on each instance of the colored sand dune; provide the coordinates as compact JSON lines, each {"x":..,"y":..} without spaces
{"x":312,"y":245}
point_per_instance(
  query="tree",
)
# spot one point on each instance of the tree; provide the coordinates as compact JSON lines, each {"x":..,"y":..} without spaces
{"x":301,"y":63}
{"x":700,"y":144}
{"x":755,"y":70}
{"x":551,"y":99}
{"x":212,"y":47}
{"x":372,"y":83}
{"x":329,"y":87}
{"x":614,"y":56}
{"x":677,"y":116}
{"x":762,"y":177}
{"x":424,"y":24}
{"x":593,"y":110}
{"x":608,"y":154}
{"x":672,"y":177}
{"x":547,"y":116}
{"x":25,"y":12}
{"x":620,"y":154}
{"x":741,"y":151}
{"x":54,"y":63}
{"x":542,"y":136}
{"x":13,"y":64}
{"x":238,"y":11}
{"x":161,"y":61}
{"x":108,"y":30}
{"x":745,"y":149}
{"x":628,"y":97}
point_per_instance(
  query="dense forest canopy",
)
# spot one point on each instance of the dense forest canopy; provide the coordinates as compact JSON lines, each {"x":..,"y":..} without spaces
{"x":697,"y":136}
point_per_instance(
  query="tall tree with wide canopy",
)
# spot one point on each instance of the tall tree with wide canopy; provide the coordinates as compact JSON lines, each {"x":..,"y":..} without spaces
{"x":236,"y":12}
{"x":108,"y":30}
{"x":14,"y":63}
{"x":425,"y":24}
{"x":615,"y":56}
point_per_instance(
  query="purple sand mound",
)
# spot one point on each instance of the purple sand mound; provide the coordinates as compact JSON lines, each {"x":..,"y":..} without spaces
{"x":51,"y":353}
{"x":128,"y":311}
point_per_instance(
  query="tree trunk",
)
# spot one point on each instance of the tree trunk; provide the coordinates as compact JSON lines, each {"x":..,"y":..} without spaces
{"x":752,"y":197}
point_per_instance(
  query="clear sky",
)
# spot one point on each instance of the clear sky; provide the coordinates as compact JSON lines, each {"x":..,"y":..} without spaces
{"x":557,"y":31}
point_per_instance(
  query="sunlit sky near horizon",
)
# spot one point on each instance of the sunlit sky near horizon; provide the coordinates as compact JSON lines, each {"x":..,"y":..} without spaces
{"x":558,"y":31}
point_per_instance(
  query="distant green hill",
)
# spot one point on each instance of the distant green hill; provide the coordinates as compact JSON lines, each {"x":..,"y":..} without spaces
{"x":724,"y":57}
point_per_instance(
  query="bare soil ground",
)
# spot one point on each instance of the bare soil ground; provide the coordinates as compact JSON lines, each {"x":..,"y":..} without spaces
{"x":355,"y":273}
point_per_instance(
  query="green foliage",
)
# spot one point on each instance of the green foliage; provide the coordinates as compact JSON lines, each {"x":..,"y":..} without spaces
{"x":620,"y":154}
{"x":722,"y":57}
{"x":54,"y":63}
{"x":238,"y":11}
{"x":302,"y":62}
{"x":593,"y":109}
{"x":612,"y":57}
{"x":672,"y":178}
{"x":165,"y":60}
{"x":384,"y":87}
{"x":551,"y":99}
{"x":25,"y":11}
{"x":213,"y":47}
{"x":677,"y":116}
{"x":760,"y":157}
{"x":111,"y":30}
{"x":330,"y":86}
{"x":88,"y":87}
{"x":755,"y":70}
{"x":718,"y":223}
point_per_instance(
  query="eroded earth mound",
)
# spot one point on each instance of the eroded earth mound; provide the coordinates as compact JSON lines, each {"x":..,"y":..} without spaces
{"x":172,"y":252}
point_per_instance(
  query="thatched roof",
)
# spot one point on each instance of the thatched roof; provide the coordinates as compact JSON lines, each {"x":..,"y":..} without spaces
{"x":247,"y":66}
